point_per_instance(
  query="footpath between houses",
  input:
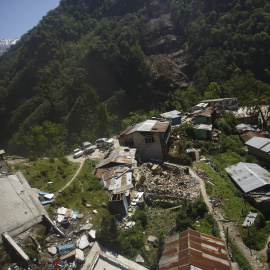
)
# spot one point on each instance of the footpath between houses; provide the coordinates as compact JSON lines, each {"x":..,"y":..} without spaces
{"x":251,"y":255}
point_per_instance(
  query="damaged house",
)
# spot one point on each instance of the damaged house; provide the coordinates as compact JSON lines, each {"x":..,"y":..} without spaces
{"x":149,"y":138}
{"x":115,"y":172}
{"x":252,"y":179}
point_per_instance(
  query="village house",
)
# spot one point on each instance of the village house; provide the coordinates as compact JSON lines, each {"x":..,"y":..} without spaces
{"x":260,"y":147}
{"x":149,"y":138}
{"x":203,"y":131}
{"x":230,"y":104}
{"x":205,"y":116}
{"x":192,"y":250}
{"x":244,"y":116}
{"x":253,"y":180}
{"x":173,"y":116}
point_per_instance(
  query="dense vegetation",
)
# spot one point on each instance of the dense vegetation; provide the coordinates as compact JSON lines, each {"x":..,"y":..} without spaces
{"x":86,"y":65}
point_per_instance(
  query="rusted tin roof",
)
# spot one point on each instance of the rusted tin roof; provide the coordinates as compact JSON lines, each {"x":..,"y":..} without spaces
{"x":120,"y":155}
{"x":205,"y":112}
{"x":262,"y":144}
{"x":147,"y":126}
{"x":249,"y":135}
{"x":193,"y":249}
{"x":249,"y":176}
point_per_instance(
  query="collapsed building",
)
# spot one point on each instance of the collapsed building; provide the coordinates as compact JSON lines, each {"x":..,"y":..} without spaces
{"x":20,"y":209}
{"x":100,"y":257}
{"x":115,"y":172}
{"x":167,"y":183}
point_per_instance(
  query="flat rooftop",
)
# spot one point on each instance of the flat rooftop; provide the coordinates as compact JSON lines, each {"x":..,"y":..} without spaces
{"x":20,"y":208}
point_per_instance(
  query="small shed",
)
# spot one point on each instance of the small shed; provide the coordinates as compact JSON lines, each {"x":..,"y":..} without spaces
{"x":173,"y":116}
{"x":203,"y":131}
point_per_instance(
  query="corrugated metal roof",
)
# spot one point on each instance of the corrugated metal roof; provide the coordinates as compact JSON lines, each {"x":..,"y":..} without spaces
{"x":147,"y":126}
{"x":262,"y":144}
{"x":205,"y":112}
{"x":248,"y":135}
{"x":108,"y":173}
{"x":171,"y":114}
{"x":249,"y":176}
{"x":121,"y":182}
{"x":120,"y":155}
{"x":191,"y":248}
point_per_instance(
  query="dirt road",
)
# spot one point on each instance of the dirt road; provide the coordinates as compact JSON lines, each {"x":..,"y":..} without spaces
{"x":251,"y":255}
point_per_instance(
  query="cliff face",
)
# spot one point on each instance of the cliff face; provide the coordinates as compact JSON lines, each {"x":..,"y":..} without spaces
{"x":166,"y":48}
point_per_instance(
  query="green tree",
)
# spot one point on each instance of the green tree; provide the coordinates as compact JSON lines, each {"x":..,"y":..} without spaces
{"x":213,"y":91}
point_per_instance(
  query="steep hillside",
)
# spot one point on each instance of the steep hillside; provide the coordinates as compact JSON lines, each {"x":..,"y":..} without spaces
{"x":87,"y":64}
{"x":6,"y":43}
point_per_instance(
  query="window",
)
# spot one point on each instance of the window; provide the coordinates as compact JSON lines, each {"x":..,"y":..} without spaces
{"x":149,"y":139}
{"x":129,"y":142}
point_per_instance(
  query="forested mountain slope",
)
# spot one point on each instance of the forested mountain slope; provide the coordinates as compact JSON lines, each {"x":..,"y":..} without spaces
{"x":88,"y":63}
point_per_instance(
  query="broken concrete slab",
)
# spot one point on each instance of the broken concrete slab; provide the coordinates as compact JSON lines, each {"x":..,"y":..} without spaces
{"x":83,"y":242}
{"x":92,"y":234}
{"x":139,"y":259}
{"x":52,"y":250}
{"x":20,"y":209}
{"x":14,"y":245}
{"x":79,"y":255}
{"x":86,"y":227}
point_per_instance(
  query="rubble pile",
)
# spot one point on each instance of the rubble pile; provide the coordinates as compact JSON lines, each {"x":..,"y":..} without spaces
{"x":169,"y":181}
{"x":66,"y":252}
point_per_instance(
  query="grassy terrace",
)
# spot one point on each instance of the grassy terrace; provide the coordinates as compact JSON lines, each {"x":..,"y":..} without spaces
{"x":232,"y":204}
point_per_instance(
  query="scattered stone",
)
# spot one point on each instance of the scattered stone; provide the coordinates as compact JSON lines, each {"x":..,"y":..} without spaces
{"x":91,"y":244}
{"x":80,"y":216}
{"x":139,"y":259}
{"x":48,"y":239}
{"x":83,"y":242}
{"x":147,"y":248}
{"x":52,"y":250}
{"x":152,"y":239}
{"x":76,"y":231}
{"x":86,"y":227}
{"x":88,"y":205}
{"x":95,"y":212}
{"x":104,"y":205}
{"x":79,"y":255}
